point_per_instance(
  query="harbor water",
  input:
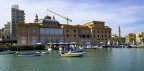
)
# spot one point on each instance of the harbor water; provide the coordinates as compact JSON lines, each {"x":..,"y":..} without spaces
{"x":112,"y":59}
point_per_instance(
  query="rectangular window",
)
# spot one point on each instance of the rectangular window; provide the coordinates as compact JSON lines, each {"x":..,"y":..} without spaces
{"x":42,"y":30}
{"x":109,"y":36}
{"x":74,"y":35}
{"x":83,"y":31}
{"x":8,"y":37}
{"x":52,"y":31}
{"x":33,"y":40}
{"x":83,"y":36}
{"x":23,"y":40}
{"x":79,"y":36}
{"x":47,"y":31}
{"x":42,"y":40}
{"x":74,"y":30}
{"x":105,"y":31}
{"x":57,"y":39}
{"x":109,"y":31}
{"x":56,"y":31}
{"x":87,"y":32}
{"x":88,"y":36}
{"x":94,"y":31}
{"x":105,"y":36}
{"x":52,"y":39}
{"x":61,"y":39}
{"x":34,"y":30}
{"x":47,"y":39}
{"x":60,"y":31}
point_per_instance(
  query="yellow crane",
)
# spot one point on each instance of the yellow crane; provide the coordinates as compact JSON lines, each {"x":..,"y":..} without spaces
{"x":67,"y":19}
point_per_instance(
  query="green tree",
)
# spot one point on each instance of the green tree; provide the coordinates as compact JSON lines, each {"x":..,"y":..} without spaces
{"x":141,"y":36}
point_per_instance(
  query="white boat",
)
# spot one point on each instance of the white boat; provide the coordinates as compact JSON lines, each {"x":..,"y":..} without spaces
{"x":94,"y":47}
{"x":139,"y":46}
{"x":90,"y":47}
{"x":133,"y":45}
{"x":97,"y":47}
{"x":49,"y":49}
{"x":27,"y":54}
{"x":42,"y":52}
{"x":70,"y":54}
{"x":7,"y":52}
{"x":108,"y":42}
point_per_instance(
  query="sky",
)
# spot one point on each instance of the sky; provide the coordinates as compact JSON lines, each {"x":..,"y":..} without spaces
{"x":128,"y":14}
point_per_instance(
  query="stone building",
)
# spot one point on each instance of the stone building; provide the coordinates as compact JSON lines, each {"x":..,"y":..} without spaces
{"x":50,"y":30}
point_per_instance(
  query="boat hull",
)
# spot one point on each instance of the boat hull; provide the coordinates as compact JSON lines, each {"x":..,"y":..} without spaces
{"x":72,"y":55}
{"x":7,"y":52}
{"x":29,"y":55}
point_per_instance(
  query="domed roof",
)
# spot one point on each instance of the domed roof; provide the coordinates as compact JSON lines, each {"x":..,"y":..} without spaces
{"x":48,"y":20}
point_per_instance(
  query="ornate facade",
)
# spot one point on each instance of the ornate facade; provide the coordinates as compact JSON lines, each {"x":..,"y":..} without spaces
{"x":49,"y":30}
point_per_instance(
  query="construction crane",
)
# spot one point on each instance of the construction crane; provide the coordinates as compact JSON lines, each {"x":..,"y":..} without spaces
{"x":67,"y":19}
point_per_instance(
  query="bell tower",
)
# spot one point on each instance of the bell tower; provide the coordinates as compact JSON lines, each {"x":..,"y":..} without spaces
{"x":119,"y":31}
{"x":36,"y":18}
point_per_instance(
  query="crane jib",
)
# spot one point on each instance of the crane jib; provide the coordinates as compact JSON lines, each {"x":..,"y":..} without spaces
{"x":60,"y":16}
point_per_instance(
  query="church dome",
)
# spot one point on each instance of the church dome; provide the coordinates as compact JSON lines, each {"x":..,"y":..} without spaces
{"x":47,"y":17}
{"x":48,"y":20}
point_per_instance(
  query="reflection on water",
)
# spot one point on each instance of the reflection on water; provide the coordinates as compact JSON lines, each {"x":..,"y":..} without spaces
{"x":115,"y":59}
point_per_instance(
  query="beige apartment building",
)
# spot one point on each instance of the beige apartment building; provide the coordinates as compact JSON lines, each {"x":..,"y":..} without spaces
{"x":49,"y":30}
{"x":137,"y":38}
{"x":140,"y":37}
{"x":131,"y":38}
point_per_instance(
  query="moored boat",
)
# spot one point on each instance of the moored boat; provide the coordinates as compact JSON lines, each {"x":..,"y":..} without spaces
{"x":28,"y":54}
{"x":7,"y":52}
{"x":97,"y":47}
{"x":72,"y":55}
{"x":42,"y":52}
{"x":70,"y":52}
{"x":90,"y":47}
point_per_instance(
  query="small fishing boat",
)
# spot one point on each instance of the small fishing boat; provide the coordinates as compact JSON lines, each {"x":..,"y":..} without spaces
{"x":72,"y":55}
{"x":65,"y":53}
{"x":95,"y":47}
{"x":49,"y":49}
{"x":7,"y":52}
{"x":78,"y":51}
{"x":71,"y":50}
{"x":27,"y":54}
{"x":42,"y":52}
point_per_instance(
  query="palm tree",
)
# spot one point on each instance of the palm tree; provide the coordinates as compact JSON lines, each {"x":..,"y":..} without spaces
{"x":141,"y":36}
